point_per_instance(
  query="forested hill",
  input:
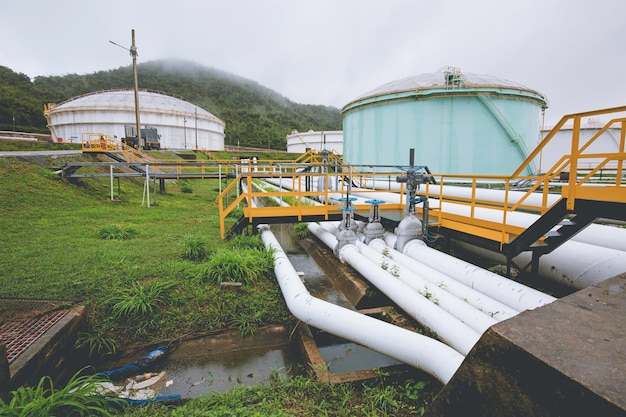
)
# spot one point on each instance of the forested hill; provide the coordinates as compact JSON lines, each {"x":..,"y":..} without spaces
{"x":253,"y":114}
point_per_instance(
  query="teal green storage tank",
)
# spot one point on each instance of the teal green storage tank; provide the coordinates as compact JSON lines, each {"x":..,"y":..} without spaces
{"x":458,"y":123}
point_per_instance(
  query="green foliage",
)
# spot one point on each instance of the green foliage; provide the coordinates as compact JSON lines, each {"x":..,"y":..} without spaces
{"x":194,"y":248}
{"x":304,"y":396}
{"x":97,"y":342}
{"x":235,"y":213}
{"x":80,"y":265}
{"x":255,"y":116}
{"x":116,"y":231}
{"x":244,"y":241}
{"x":301,"y":230}
{"x":185,"y":187}
{"x":239,"y":265}
{"x":79,"y":397}
{"x":140,"y":299}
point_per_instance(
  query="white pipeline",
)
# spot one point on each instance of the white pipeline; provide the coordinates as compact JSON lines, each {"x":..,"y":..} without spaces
{"x":567,"y":264}
{"x":515,"y":295}
{"x":449,"y":329}
{"x":429,"y":355}
{"x":495,"y":308}
{"x":462,"y":311}
{"x":593,"y":261}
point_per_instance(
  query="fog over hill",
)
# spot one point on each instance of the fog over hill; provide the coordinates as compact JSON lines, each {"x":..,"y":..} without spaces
{"x":254,"y":115}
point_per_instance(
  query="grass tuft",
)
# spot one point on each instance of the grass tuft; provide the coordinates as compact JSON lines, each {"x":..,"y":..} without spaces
{"x":140,"y":299}
{"x":115,"y":231}
{"x":194,"y":248}
{"x":81,"y":396}
{"x":301,"y":230}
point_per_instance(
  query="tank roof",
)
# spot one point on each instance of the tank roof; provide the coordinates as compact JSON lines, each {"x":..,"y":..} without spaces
{"x":446,"y":78}
{"x":125,"y":99}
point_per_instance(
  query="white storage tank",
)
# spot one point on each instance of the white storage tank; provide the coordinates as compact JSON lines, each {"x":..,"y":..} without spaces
{"x":180,"y":124}
{"x":561,"y":144}
{"x":298,"y":142}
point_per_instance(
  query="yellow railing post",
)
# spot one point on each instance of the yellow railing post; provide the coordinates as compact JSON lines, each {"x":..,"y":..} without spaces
{"x":622,"y":150}
{"x":573,"y":171}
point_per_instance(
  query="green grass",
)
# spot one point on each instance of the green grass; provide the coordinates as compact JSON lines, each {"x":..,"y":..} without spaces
{"x":304,"y":396}
{"x":53,"y":233}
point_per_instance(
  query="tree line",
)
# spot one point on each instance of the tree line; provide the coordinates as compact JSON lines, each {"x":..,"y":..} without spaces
{"x":254,"y":115}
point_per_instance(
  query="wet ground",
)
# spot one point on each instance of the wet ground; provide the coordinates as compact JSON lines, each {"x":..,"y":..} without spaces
{"x":201,"y":372}
{"x":194,"y":376}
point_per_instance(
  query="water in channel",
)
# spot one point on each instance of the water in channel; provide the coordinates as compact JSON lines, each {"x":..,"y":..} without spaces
{"x":193,"y":370}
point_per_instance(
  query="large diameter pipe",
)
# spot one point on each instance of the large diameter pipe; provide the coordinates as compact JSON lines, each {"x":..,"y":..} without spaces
{"x":449,"y":329}
{"x":515,"y":295}
{"x":482,"y":302}
{"x":429,"y":355}
{"x":464,"y":312}
{"x":577,"y":265}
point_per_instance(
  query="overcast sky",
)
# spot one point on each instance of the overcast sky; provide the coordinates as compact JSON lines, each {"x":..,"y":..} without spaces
{"x":331,"y":51}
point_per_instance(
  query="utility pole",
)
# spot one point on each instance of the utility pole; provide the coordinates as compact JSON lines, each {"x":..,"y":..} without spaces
{"x":133,"y":52}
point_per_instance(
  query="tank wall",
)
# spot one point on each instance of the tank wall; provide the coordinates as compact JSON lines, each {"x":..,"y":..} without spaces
{"x":453,"y":134}
{"x":561,"y":144}
{"x":175,"y":133}
{"x":299,"y":142}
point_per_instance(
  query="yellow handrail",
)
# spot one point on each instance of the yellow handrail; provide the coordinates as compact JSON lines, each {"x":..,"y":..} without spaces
{"x":577,"y":185}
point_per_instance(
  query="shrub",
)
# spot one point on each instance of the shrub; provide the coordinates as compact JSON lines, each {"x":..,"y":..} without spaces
{"x":194,"y":248}
{"x":115,"y":231}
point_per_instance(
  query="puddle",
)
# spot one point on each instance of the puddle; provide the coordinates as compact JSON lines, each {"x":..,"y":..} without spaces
{"x":195,"y":376}
{"x":316,"y":282}
{"x":350,"y":357}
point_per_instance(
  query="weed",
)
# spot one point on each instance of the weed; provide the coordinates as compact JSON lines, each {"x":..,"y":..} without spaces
{"x":301,"y":230}
{"x":245,"y":266}
{"x":384,"y":265}
{"x":245,"y":241}
{"x":140,"y":299}
{"x":395,"y":270}
{"x":97,"y":342}
{"x":115,"y":231}
{"x":80,"y":397}
{"x":194,"y":248}
{"x":235,"y":213}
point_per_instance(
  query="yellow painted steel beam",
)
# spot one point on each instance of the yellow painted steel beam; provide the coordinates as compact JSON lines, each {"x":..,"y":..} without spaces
{"x":616,"y":194}
{"x":494,"y":235}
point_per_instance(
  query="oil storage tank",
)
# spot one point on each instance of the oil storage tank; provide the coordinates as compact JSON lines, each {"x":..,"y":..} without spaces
{"x":458,"y":123}
{"x":178,"y":123}
{"x":300,"y":142}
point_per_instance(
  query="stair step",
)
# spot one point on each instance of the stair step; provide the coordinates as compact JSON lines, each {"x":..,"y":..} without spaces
{"x":566,"y":222}
{"x":552,"y":233}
